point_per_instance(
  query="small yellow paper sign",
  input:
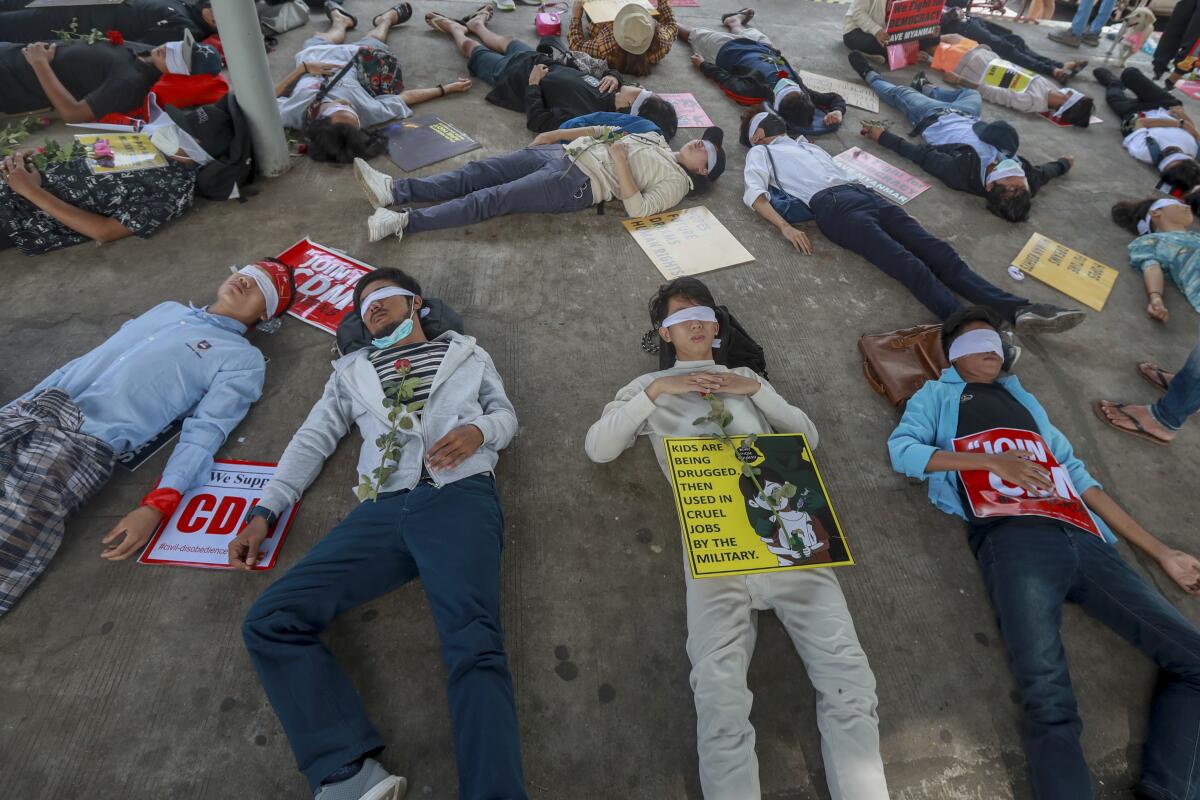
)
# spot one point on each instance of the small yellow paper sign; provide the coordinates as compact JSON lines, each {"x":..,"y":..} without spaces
{"x":1069,"y":271}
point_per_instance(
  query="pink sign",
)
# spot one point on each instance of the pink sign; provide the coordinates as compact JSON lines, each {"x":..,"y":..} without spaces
{"x":1190,"y":88}
{"x":690,"y":114}
{"x":892,"y":182}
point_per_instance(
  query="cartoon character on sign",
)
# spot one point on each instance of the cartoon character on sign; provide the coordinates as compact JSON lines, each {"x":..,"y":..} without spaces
{"x":779,"y":512}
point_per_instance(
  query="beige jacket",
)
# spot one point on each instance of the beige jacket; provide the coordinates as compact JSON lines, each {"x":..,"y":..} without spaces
{"x":866,"y":15}
{"x":661,"y":182}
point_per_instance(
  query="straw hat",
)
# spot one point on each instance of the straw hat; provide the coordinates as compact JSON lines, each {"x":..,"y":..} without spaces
{"x":633,"y":28}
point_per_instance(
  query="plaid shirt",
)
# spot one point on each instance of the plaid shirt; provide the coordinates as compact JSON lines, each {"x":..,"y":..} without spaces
{"x":602,"y":43}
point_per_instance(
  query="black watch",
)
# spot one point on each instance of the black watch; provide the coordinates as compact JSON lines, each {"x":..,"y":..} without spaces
{"x":258,"y":511}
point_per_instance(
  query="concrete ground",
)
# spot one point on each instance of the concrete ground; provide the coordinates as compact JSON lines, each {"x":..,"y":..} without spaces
{"x":128,"y":681}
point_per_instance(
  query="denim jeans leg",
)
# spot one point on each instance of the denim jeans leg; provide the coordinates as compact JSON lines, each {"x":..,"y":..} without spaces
{"x":943,"y":94}
{"x":1183,"y":394}
{"x":970,"y":102}
{"x":1028,"y":572}
{"x":1081,"y":16}
{"x":1106,"y":8}
{"x":911,"y":103}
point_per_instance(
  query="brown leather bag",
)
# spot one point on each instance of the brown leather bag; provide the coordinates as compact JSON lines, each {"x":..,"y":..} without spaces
{"x":898,"y":363}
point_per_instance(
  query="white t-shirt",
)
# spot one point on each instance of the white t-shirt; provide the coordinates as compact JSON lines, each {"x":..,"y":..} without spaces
{"x":371,"y":110}
{"x":1135,"y":142}
{"x":801,"y":169}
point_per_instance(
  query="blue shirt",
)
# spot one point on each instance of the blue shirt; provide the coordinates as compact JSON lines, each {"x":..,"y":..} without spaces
{"x":629,"y":123}
{"x":930,"y":423}
{"x":960,"y":129}
{"x":169,"y":362}
{"x":1177,"y":253}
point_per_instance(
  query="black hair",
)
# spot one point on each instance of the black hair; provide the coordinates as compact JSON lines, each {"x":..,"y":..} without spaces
{"x":954,"y":323}
{"x":341,"y":143}
{"x":688,"y":288}
{"x":797,"y":109}
{"x":662,"y":114}
{"x":700,"y":183}
{"x":389,"y":274}
{"x":1184,"y":174}
{"x":772,"y":125}
{"x":1128,"y":213}
{"x":1080,"y":114}
{"x":1009,"y":204}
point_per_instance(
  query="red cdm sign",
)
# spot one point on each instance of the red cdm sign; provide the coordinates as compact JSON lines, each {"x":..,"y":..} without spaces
{"x":325,"y":281}
{"x":990,"y":496}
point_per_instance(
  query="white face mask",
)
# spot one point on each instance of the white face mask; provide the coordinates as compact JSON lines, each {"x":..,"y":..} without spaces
{"x":329,"y":109}
{"x":166,"y":139}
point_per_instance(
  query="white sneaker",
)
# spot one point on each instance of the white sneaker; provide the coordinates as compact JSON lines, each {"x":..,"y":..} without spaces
{"x":385,"y":222}
{"x":372,"y":782}
{"x":375,"y":184}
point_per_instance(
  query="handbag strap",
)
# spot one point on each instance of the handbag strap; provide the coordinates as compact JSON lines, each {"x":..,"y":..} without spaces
{"x":325,"y":88}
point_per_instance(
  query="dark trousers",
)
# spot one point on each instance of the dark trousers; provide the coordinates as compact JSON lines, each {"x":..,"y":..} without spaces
{"x":1179,"y":36}
{"x":864,"y":42}
{"x":1007,"y":44}
{"x":451,"y":538}
{"x":1148,"y":94}
{"x":538,"y":179}
{"x":19,"y":24}
{"x":1030,"y":572}
{"x":861,"y":221}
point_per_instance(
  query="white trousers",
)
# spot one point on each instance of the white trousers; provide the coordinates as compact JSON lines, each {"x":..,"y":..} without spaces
{"x":722,"y":618}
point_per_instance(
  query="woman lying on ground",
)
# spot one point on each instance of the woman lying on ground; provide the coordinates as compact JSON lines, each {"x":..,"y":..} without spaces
{"x":564,"y":170}
{"x":1157,"y":130}
{"x":1166,"y":243}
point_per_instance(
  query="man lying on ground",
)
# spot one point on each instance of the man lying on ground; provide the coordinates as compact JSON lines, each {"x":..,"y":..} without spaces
{"x":751,"y":71}
{"x":59,"y":440}
{"x":543,"y":84}
{"x":595,"y":165}
{"x":1039,"y":525}
{"x":84,"y":81}
{"x":960,"y":149}
{"x":721,"y":611}
{"x":1008,"y":45}
{"x":435,"y":474}
{"x":334,"y":120}
{"x":151,"y":22}
{"x":1158,"y":422}
{"x":856,"y":218}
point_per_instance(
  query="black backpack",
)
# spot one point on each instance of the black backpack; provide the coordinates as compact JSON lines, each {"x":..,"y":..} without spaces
{"x":738,"y":348}
{"x":217,"y":180}
{"x":436,"y":319}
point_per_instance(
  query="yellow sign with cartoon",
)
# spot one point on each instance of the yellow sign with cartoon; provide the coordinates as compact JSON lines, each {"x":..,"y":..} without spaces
{"x":752,"y":504}
{"x":1006,"y":75}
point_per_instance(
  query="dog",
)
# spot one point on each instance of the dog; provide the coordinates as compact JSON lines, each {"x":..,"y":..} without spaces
{"x":1138,"y":27}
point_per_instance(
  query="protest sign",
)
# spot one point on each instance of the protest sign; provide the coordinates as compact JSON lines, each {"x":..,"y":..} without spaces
{"x":892,"y":182}
{"x":855,"y":94}
{"x":686,"y":242}
{"x":420,"y":141}
{"x":133,"y":459}
{"x":325,"y":281}
{"x":130,"y":151}
{"x":1071,"y":272}
{"x":209,"y":517}
{"x":908,"y":20}
{"x":688,"y":110}
{"x":606,"y":10}
{"x":778,"y":517}
{"x":1005,"y":75}
{"x":1190,"y":88}
{"x":990,"y":496}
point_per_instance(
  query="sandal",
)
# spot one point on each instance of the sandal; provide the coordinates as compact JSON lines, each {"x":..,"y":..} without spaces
{"x":1079,"y":67}
{"x":432,"y":18}
{"x":488,"y":10}
{"x":403,"y":14}
{"x":1098,"y":409}
{"x":746,"y":14}
{"x":1155,"y":375}
{"x":331,"y":6}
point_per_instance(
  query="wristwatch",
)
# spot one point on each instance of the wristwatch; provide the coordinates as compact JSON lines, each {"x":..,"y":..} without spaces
{"x":258,"y":511}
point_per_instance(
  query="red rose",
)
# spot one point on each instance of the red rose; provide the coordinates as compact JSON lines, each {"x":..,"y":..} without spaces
{"x":115,"y":38}
{"x":41,"y":150}
{"x":302,"y":148}
{"x":44,"y":121}
{"x":403,"y":365}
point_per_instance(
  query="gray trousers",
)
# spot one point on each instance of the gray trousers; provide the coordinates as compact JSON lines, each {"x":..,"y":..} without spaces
{"x":535,"y":179}
{"x":708,"y":42}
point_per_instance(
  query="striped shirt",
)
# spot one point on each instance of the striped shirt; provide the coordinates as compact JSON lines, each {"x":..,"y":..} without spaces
{"x":425,"y":357}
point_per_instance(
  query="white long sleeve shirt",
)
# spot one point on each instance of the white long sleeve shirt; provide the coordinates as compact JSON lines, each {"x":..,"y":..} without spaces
{"x":371,"y":110}
{"x":800,"y":168}
{"x":865,"y":15}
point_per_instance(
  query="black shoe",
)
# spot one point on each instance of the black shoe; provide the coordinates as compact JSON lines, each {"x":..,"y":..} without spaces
{"x":1104,"y":77}
{"x":859,"y":63}
{"x":920,"y":82}
{"x":1046,"y":318}
{"x":1012,"y":354}
{"x":1159,"y":72}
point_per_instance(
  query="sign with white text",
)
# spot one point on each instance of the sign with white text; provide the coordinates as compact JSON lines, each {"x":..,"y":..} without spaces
{"x":325,"y":281}
{"x":855,"y":94}
{"x":913,"y":19}
{"x":892,"y":182}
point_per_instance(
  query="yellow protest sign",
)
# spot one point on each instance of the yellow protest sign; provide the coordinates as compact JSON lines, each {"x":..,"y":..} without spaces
{"x":687,"y":242}
{"x":130,"y":151}
{"x":1006,"y":75}
{"x":1071,"y":272}
{"x":759,"y":506}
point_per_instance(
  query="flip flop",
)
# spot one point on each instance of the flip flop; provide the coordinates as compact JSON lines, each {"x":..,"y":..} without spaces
{"x":431,"y":19}
{"x":488,"y":9}
{"x":1154,"y":375}
{"x":403,"y":14}
{"x":331,"y":6}
{"x":1141,"y":433}
{"x":1079,"y":67}
{"x":747,"y":14}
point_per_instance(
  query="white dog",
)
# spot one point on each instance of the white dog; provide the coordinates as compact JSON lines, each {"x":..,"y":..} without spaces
{"x":1138,"y":28}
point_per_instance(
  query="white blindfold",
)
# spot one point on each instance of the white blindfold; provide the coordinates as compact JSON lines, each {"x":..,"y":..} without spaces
{"x":1144,"y":224}
{"x":264,"y":284}
{"x":981,"y":340}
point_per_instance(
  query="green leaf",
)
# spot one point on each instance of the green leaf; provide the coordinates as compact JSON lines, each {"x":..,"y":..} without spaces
{"x":750,"y":440}
{"x":746,"y":470}
{"x":700,"y":420}
{"x":417,"y":406}
{"x":757,"y":471}
{"x":726,"y":419}
{"x":788,"y":490}
{"x":406,"y":423}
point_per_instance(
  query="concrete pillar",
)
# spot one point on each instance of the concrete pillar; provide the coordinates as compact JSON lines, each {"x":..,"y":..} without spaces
{"x":241,"y":38}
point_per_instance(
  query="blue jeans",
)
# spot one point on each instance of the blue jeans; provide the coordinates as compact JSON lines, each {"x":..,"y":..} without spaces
{"x":1085,"y":11}
{"x":451,"y":538}
{"x":488,"y":65}
{"x":916,"y":106}
{"x":1183,"y":395}
{"x":1030,"y":572}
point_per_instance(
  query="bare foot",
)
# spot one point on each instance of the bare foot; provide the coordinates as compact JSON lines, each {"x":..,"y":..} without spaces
{"x":440,"y":22}
{"x":1127,"y":418}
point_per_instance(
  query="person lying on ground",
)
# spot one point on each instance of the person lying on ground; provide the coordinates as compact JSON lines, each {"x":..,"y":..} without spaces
{"x":964,"y":62}
{"x":721,"y":610}
{"x":961,"y":150}
{"x":59,"y":440}
{"x":84,"y":81}
{"x":1158,"y":422}
{"x":860,"y":220}
{"x":68,"y":204}
{"x":334,"y":118}
{"x":1042,"y":528}
{"x":150,"y":22}
{"x":751,"y":71}
{"x":433,"y":417}
{"x":1157,"y":130}
{"x":564,"y":170}
{"x":1008,"y":45}
{"x":632,"y":43}
{"x":546,"y":86}
{"x":1166,"y":244}
{"x":864,"y":29}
